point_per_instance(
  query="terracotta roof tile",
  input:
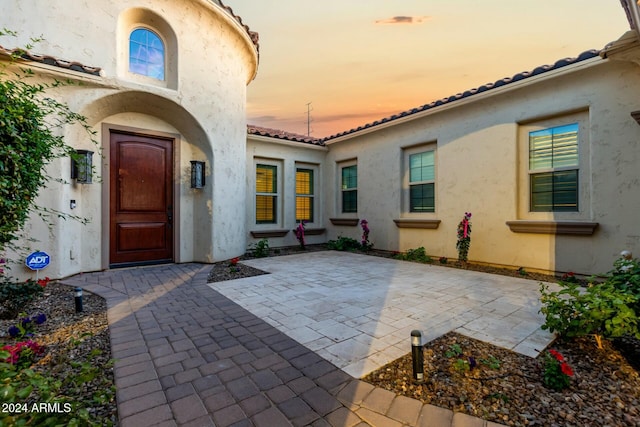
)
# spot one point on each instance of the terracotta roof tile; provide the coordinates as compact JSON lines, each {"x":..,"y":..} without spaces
{"x":51,"y":60}
{"x":254,"y":36}
{"x":502,"y":82}
{"x":280,"y":134}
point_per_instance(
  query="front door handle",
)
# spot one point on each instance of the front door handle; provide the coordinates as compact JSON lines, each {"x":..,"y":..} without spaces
{"x":170,"y":216}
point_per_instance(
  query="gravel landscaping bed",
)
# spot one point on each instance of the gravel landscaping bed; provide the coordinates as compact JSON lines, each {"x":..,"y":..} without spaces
{"x":77,"y":352}
{"x":506,"y":387}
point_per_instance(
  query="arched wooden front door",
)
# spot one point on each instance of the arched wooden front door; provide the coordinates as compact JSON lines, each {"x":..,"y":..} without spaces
{"x":141,"y":199}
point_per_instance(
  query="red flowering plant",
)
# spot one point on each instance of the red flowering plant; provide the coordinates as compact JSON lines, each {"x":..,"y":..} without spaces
{"x":569,"y":277}
{"x":233,"y":265}
{"x":22,"y":353}
{"x":557,"y":372}
{"x":300,"y":233}
{"x":464,"y":237}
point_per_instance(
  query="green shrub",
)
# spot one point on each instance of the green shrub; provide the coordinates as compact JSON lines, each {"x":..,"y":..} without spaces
{"x":260,"y":249}
{"x":601,"y":310}
{"x":417,"y":254}
{"x":13,"y":296}
{"x":625,"y":276}
{"x":344,"y":244}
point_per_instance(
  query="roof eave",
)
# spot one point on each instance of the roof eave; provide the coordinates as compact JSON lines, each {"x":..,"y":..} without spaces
{"x":274,"y":140}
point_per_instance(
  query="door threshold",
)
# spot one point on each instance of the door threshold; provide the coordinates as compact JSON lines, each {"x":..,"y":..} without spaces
{"x":139,"y":263}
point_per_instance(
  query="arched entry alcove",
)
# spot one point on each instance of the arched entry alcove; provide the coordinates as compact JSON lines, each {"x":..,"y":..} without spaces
{"x":154,"y":139}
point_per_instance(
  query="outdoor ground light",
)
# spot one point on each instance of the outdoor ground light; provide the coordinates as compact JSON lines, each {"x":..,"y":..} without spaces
{"x":82,"y":166}
{"x":78,"y":299}
{"x":197,"y":174}
{"x":417,"y":357}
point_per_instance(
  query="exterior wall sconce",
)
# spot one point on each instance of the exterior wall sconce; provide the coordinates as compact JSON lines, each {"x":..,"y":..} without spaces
{"x":82,"y":166}
{"x":197,"y":174}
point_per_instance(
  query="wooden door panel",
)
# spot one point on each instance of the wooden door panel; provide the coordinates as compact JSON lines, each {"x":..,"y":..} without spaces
{"x":141,"y":186}
{"x":141,"y":190}
{"x":136,"y":236}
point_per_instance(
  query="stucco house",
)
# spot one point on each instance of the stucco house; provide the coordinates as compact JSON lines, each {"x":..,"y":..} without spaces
{"x":546,"y":160}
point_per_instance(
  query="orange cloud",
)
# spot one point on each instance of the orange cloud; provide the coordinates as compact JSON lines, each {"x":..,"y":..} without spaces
{"x":404,"y":20}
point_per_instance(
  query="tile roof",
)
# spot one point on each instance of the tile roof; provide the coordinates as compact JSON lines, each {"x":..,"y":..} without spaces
{"x":280,"y":134}
{"x":254,"y":36}
{"x":51,"y":60}
{"x":466,"y":94}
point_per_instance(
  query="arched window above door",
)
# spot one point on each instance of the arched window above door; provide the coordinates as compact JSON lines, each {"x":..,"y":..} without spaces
{"x":146,"y":54}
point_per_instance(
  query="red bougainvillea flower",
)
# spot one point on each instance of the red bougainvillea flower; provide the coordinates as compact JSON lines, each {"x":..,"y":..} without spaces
{"x":44,"y":282}
{"x":566,"y":369}
{"x":557,"y":355}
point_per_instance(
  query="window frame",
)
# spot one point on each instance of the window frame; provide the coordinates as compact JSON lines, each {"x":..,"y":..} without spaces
{"x":524,"y":209}
{"x":553,"y":172}
{"x":407,"y":153}
{"x":275,"y":195}
{"x":302,"y":168}
{"x":163,"y":42}
{"x":341,"y":167}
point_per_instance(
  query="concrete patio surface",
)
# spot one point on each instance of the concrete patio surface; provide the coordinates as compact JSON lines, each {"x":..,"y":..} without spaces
{"x":358,"y":311}
{"x":186,"y":355}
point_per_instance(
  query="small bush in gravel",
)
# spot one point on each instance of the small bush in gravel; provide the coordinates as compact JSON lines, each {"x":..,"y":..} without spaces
{"x":14,"y":295}
{"x":605,"y":310}
{"x":343,"y":244}
{"x":556,"y":371}
{"x":418,"y":254}
{"x":260,"y":249}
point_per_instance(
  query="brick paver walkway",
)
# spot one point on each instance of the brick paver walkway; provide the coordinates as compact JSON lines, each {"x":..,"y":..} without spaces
{"x":188,"y":356}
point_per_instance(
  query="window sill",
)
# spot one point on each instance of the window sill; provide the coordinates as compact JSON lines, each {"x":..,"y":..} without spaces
{"x":312,"y":231}
{"x":344,"y":221}
{"x":269,"y":233}
{"x":553,"y":227}
{"x":430,"y":224}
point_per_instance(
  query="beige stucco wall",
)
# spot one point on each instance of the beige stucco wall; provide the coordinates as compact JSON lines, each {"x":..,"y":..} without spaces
{"x":210,"y":61}
{"x":287,"y":156}
{"x":482,"y":167}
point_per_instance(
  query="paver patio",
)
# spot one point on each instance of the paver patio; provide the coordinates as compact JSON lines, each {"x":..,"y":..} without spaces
{"x":186,"y":355}
{"x":357,"y":311}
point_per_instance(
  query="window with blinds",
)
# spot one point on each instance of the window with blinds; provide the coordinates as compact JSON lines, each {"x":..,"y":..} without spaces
{"x":266,"y":194}
{"x":350,"y":189}
{"x":553,"y":169}
{"x":422,"y":182}
{"x":304,"y":195}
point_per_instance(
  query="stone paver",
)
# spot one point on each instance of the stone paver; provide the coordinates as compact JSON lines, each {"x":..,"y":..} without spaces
{"x":200,"y":359}
{"x":357,"y":311}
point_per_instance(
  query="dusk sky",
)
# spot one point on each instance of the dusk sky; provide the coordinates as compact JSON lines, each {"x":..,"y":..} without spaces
{"x":358,"y":61}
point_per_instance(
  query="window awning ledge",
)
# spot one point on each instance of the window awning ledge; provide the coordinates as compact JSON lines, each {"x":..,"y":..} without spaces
{"x":580,"y":228}
{"x":269,"y":233}
{"x":430,"y":224}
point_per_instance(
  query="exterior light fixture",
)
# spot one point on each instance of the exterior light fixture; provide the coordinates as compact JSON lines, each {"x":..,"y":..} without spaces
{"x":78,"y":299}
{"x":417,"y":357}
{"x":197,"y":174}
{"x":82,"y":166}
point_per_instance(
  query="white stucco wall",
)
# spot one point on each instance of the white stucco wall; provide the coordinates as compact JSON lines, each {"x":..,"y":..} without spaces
{"x":202,"y":102}
{"x":482,"y":167}
{"x":287,"y":156}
